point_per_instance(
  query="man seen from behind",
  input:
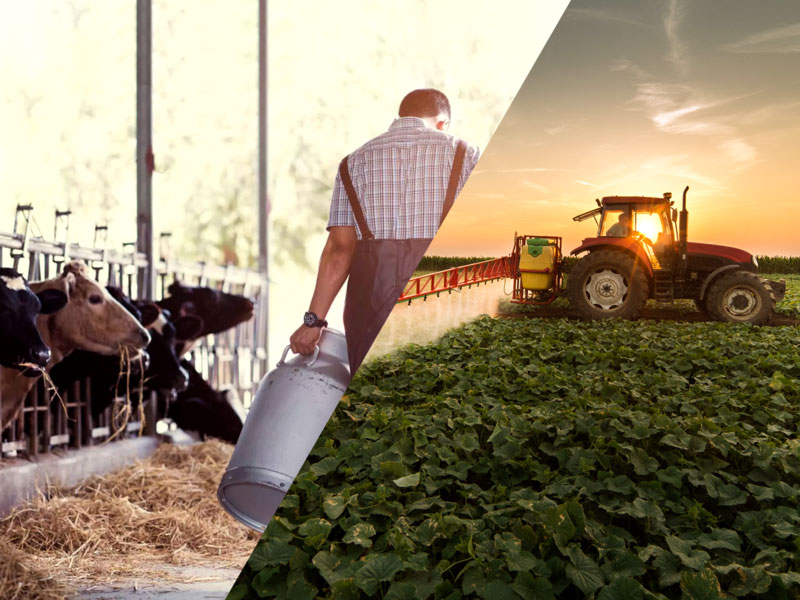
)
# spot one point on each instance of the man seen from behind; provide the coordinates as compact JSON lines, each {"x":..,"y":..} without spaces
{"x":389,"y":198}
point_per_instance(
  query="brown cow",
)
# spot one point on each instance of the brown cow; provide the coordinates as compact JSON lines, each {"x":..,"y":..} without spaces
{"x":91,"y":320}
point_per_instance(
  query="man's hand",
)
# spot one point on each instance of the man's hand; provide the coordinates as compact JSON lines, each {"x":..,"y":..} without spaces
{"x":334,"y":266}
{"x":304,"y":339}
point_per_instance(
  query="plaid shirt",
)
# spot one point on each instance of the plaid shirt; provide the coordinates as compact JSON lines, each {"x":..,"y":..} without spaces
{"x":400,"y":178}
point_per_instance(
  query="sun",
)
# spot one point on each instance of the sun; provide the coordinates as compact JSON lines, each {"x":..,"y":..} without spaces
{"x":648,"y":224}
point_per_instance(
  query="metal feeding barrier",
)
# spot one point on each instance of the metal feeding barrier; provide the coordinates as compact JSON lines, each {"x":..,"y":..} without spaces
{"x":234,"y":359}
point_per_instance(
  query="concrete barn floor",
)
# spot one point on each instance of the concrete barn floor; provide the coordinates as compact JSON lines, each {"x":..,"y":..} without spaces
{"x":211,"y":584}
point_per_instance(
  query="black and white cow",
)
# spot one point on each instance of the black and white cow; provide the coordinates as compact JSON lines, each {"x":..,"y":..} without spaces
{"x":166,"y":375}
{"x":19,"y":307}
{"x":200,"y":408}
{"x":206,"y":412}
{"x":219,"y":311}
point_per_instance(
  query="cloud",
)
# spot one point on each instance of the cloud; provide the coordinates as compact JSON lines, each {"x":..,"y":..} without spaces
{"x":770,"y":112}
{"x":677,"y":165}
{"x":677,"y":52}
{"x":625,"y":65}
{"x":582,"y":182}
{"x":738,"y":150}
{"x":781,"y":40}
{"x":534,"y":186}
{"x":558,"y":129}
{"x":667,"y":118}
{"x":680,"y":109}
{"x":597,"y":14}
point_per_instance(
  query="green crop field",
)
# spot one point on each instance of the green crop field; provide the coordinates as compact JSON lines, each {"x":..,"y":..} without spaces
{"x":552,"y":458}
{"x":790,"y":305}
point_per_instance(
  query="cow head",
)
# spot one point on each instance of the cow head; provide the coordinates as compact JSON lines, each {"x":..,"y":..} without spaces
{"x":19,"y":306}
{"x":91,"y":320}
{"x":206,"y":411}
{"x":165,"y":373}
{"x":218,"y":310}
{"x":128,"y":304}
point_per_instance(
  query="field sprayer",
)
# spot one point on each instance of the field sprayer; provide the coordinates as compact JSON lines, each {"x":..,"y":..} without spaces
{"x":641,"y":251}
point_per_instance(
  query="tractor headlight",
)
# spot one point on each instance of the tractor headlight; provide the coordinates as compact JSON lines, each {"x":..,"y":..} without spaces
{"x":755,"y":261}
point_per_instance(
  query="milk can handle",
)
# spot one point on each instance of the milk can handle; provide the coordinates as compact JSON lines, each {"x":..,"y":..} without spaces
{"x":309,"y":361}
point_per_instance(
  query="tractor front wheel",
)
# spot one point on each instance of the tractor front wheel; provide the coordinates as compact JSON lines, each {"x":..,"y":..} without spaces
{"x":740,"y":297}
{"x":607,"y":284}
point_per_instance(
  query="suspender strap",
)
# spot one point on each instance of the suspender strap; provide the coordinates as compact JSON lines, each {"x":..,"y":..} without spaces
{"x":344,"y":175}
{"x":455,"y":175}
{"x":449,"y":198}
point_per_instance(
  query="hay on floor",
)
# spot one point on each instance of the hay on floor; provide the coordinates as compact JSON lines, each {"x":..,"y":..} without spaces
{"x":20,"y":580}
{"x":162,"y":509}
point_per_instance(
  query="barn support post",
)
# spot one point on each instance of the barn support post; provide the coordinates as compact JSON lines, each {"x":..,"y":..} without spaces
{"x":263,"y":191}
{"x":145,"y":163}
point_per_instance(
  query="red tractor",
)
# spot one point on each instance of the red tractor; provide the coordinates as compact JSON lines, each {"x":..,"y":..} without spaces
{"x":641,"y":251}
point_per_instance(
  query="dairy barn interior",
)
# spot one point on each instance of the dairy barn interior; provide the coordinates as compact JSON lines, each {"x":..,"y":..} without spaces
{"x":109,"y":468}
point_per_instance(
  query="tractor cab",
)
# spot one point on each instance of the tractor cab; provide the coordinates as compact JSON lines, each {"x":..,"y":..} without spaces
{"x":651,"y":217}
{"x":643,"y":225}
{"x":647,"y":219}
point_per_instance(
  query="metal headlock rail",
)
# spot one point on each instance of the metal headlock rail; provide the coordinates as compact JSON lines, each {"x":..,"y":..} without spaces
{"x":457,"y":277}
{"x":235,"y":359}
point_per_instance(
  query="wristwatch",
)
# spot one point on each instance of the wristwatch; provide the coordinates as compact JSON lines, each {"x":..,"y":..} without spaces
{"x":311,"y":319}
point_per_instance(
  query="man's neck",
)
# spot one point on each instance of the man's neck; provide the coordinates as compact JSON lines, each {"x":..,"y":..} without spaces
{"x":416,"y":121}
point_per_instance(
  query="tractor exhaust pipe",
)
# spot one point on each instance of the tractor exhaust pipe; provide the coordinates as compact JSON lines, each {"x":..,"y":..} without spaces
{"x":683,"y":231}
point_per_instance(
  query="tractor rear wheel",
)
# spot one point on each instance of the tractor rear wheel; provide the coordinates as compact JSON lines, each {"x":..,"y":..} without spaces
{"x":607,"y":284}
{"x":740,"y":297}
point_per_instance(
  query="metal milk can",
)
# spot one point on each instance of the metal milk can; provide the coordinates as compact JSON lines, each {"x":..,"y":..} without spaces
{"x":291,"y":407}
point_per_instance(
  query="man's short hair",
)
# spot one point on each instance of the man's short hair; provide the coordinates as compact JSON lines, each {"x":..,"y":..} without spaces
{"x":424,"y":103}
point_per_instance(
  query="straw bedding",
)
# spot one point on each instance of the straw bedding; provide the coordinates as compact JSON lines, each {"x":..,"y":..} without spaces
{"x":20,"y":580}
{"x":159,"y":510}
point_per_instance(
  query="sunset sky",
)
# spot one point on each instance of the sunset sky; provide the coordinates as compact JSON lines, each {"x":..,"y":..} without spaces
{"x":642,"y":98}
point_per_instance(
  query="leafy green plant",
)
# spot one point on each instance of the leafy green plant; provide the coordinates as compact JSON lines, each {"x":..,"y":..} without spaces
{"x":552,"y":459}
{"x":790,"y":305}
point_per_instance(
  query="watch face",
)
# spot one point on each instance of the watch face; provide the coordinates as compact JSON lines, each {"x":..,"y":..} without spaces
{"x":309,"y":319}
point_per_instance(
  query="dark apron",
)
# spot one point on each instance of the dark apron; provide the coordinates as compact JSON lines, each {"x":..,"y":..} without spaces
{"x":378,"y":274}
{"x":381,"y":269}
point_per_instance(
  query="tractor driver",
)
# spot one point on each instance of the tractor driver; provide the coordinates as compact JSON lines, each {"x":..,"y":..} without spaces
{"x":621,"y":228}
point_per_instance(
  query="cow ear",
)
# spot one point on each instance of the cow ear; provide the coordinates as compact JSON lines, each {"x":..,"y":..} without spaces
{"x":188,"y":327}
{"x":67,"y":282}
{"x":150,"y":313}
{"x":52,"y":301}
